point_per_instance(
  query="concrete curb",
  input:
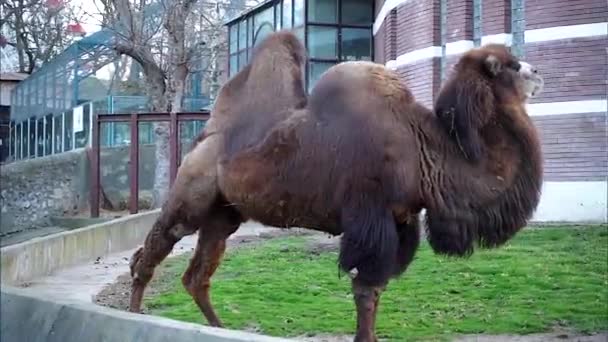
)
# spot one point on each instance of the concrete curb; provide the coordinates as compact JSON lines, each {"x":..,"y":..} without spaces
{"x":29,"y":317}
{"x":39,"y":257}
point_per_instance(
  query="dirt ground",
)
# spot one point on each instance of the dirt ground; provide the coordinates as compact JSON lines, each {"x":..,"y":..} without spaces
{"x":116,"y":296}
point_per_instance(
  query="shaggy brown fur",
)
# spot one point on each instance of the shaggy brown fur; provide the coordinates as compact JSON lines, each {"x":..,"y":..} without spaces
{"x":359,"y":157}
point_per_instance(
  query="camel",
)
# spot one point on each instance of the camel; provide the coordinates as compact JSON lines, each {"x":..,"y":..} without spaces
{"x":358,"y":157}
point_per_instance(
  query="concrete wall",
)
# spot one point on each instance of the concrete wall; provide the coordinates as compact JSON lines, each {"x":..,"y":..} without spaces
{"x":35,"y":190}
{"x":27,"y":316}
{"x":39,"y":257}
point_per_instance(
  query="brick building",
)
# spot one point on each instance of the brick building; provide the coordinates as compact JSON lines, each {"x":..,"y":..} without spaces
{"x":421,"y":39}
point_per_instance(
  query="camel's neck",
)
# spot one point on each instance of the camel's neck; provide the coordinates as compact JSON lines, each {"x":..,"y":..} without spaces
{"x":511,"y":168}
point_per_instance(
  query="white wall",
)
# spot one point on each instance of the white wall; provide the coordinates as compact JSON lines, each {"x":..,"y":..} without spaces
{"x":573,"y":202}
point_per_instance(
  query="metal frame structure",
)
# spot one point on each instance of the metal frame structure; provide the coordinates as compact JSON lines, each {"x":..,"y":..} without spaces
{"x":247,"y":19}
{"x":134,"y":119}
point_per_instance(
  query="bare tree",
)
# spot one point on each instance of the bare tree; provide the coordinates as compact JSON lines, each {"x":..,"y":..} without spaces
{"x":170,"y":40}
{"x":36,"y":29}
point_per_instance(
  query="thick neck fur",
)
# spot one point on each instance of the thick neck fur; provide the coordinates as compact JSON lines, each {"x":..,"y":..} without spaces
{"x":485,"y":201}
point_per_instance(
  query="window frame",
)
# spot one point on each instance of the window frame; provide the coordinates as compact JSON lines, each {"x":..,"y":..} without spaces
{"x":278,"y":9}
{"x":338,"y":26}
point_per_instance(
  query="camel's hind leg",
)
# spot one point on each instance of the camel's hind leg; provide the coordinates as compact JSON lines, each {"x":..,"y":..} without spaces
{"x":223,"y":221}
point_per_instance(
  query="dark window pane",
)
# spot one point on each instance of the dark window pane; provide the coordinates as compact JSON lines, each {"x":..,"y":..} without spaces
{"x":234,"y":66}
{"x":264,"y":24}
{"x":298,"y":13}
{"x":67,"y":132}
{"x":18,"y":141}
{"x":323,"y":11}
{"x":242,"y":59}
{"x":48,"y":135}
{"x":40,"y":136}
{"x":357,"y":12}
{"x":286,"y":13}
{"x":242,"y":35}
{"x":315,"y":70}
{"x":356,"y":44}
{"x":234,"y":38}
{"x":322,"y":42}
{"x":58,"y":133}
{"x":32,"y":138}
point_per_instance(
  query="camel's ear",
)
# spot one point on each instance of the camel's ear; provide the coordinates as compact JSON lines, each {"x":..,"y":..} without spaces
{"x":493,"y":65}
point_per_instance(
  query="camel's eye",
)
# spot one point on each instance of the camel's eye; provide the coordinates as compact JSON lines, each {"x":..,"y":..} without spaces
{"x":515,"y":65}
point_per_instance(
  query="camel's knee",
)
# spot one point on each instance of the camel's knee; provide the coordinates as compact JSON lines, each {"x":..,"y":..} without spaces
{"x":194,"y":285}
{"x":178,"y":231}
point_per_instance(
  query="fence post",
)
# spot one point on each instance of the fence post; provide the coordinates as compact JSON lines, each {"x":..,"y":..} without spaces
{"x":173,"y":141}
{"x":134,"y":165}
{"x":95,"y":169}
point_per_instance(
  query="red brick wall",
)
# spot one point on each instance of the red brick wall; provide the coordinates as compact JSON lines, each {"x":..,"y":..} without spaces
{"x":422,"y":78}
{"x":574,"y":146}
{"x":417,"y":25}
{"x":550,"y":13}
{"x":495,"y":17}
{"x":459,"y":20}
{"x":574,"y":69}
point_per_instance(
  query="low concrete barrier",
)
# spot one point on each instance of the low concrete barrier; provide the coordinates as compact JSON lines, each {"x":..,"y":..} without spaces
{"x":27,"y":317}
{"x":39,"y":257}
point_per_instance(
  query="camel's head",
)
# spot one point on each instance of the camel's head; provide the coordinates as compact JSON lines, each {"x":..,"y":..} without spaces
{"x":504,"y":70}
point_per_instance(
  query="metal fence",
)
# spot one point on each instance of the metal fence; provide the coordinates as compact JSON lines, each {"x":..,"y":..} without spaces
{"x":133,"y":122}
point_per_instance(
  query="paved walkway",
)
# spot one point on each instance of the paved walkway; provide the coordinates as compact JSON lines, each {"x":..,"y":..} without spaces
{"x":84,"y":281}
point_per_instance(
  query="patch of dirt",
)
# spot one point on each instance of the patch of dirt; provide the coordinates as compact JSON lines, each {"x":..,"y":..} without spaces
{"x":558,"y":336}
{"x":325,"y":338}
{"x":116,"y":295}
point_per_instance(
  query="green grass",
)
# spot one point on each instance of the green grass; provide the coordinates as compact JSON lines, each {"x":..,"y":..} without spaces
{"x":542,"y":278}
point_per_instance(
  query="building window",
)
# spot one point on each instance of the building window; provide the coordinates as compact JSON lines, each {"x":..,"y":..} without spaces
{"x":337,"y":31}
{"x":323,"y":42}
{"x":263,"y":24}
{"x":357,"y":12}
{"x":332,"y":30}
{"x":518,"y":27}
{"x":323,"y":11}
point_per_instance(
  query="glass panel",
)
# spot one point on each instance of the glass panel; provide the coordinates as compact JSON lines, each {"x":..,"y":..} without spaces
{"x":145,"y":133}
{"x":242,"y":59}
{"x":48,"y":135}
{"x":18,"y":141}
{"x":242,"y":35}
{"x":40,"y":135}
{"x":323,"y":42}
{"x":234,"y":38}
{"x":250,"y":32}
{"x":356,"y":44}
{"x":82,"y":137}
{"x":58,"y":132}
{"x":234,"y":65}
{"x":315,"y":70}
{"x":67,"y":132}
{"x":298,"y":13}
{"x":264,"y":24}
{"x":11,"y":140}
{"x":323,"y":11}
{"x":299,"y":32}
{"x":357,"y":12}
{"x":277,"y":17}
{"x":286,"y":14}
{"x":32,"y":138}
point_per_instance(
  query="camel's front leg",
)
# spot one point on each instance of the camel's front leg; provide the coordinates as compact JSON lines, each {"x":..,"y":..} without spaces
{"x":366,"y":300}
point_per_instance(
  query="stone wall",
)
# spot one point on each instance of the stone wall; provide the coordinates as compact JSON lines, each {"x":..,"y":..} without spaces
{"x":34,"y":190}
